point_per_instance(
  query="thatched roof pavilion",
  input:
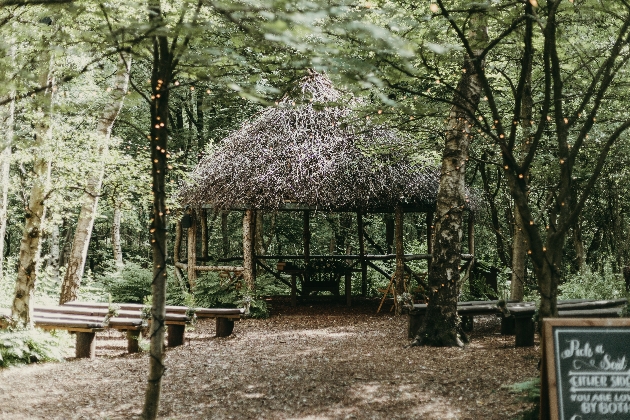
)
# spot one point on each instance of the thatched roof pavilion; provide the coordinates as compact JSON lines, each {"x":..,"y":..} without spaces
{"x":308,"y":153}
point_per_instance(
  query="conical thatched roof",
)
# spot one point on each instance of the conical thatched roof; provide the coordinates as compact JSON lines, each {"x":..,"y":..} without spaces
{"x":303,"y":154}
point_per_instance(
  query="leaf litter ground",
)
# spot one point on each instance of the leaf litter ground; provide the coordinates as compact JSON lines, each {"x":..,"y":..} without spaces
{"x":319,"y":360}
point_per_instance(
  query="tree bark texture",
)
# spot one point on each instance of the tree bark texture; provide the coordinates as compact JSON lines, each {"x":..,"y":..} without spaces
{"x":5,"y":165}
{"x":36,"y":211}
{"x":55,"y":252}
{"x":441,"y":324}
{"x":248,"y":249}
{"x":519,"y":240}
{"x":87,"y":215}
{"x":161,"y":77}
{"x":191,"y":249}
{"x":116,"y":245}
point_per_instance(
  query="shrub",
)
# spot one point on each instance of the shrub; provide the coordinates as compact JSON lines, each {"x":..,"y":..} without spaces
{"x":22,"y":346}
{"x":593,"y":285}
{"x":213,"y":291}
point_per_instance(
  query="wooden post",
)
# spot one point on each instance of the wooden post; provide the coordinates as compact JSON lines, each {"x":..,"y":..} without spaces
{"x":429,"y":223}
{"x":306,"y":238}
{"x":177,"y":249}
{"x":400,"y":254}
{"x":224,"y":328}
{"x":133,"y":337}
{"x":248,"y":249}
{"x":86,"y":345}
{"x":192,"y":250}
{"x":363,"y":263}
{"x":175,"y":335}
{"x":203,"y":219}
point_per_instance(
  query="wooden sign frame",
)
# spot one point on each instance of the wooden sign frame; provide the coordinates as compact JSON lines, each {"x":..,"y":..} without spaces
{"x":549,"y":404}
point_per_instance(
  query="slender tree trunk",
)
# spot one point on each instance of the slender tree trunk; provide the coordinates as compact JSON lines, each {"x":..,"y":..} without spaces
{"x":5,"y":166}
{"x":55,"y":252}
{"x":116,"y":246}
{"x":441,"y":325}
{"x":67,"y":244}
{"x":259,"y":239}
{"x":85,"y":223}
{"x":248,"y":249}
{"x":519,"y":240}
{"x":36,"y":211}
{"x":164,"y":64}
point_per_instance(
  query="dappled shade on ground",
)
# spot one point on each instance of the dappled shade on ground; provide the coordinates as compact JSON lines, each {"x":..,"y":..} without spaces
{"x":315,"y":361}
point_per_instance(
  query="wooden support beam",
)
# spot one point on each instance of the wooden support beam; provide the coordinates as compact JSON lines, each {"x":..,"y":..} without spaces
{"x":273,"y":273}
{"x":192,"y":250}
{"x":306,"y":239}
{"x":400,"y":265}
{"x":248,"y":249}
{"x":203,"y":221}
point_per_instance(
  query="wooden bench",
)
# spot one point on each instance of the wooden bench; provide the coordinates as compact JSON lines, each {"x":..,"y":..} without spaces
{"x":85,"y":319}
{"x":524,"y":323}
{"x":224,"y":317}
{"x":466,"y":310}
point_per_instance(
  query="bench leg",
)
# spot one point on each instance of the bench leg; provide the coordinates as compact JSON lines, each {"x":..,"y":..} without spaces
{"x":86,"y":345}
{"x":225,"y":326}
{"x":467,"y":323}
{"x":175,"y":335}
{"x":524,"y":328}
{"x":133,"y":338}
{"x":507,"y":325}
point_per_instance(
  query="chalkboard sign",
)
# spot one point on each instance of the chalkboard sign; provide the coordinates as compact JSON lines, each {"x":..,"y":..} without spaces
{"x":586,"y":369}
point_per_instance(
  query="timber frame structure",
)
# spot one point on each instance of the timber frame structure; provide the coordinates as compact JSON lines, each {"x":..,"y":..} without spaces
{"x":310,"y":153}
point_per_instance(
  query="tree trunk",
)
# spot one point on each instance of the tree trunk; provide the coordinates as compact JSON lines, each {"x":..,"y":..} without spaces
{"x":67,"y":244}
{"x":5,"y":166}
{"x":116,"y":246}
{"x":259,"y":239}
{"x":203,"y":223}
{"x":519,"y":253}
{"x":85,"y":223}
{"x":53,"y":258}
{"x":36,"y":211}
{"x":191,"y":250}
{"x":161,"y":76}
{"x":248,"y":249}
{"x":441,"y":326}
{"x":519,"y":240}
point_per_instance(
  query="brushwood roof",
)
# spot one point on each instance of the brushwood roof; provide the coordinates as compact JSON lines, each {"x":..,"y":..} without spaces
{"x":306,"y":152}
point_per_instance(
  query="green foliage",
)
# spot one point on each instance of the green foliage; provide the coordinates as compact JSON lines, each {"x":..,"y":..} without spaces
{"x":212,"y":291}
{"x":528,"y":391}
{"x":593,"y":285}
{"x":23,"y":346}
{"x":130,"y":284}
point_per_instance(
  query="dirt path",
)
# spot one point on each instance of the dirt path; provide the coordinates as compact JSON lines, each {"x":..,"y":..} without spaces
{"x":334,"y":364}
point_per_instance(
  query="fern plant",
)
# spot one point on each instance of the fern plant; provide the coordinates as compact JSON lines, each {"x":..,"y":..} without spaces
{"x":23,"y":346}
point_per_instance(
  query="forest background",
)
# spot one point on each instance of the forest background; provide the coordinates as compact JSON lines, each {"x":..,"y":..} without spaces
{"x":84,"y":81}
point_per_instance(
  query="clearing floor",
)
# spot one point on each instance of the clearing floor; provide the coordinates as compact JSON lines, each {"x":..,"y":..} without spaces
{"x":319,"y":360}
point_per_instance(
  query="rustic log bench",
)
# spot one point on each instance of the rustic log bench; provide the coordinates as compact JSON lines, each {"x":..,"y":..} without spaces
{"x":523,"y":315}
{"x":466,"y":310}
{"x":224,"y":317}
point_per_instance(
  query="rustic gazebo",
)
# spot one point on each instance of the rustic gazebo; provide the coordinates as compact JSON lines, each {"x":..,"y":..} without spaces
{"x":308,"y":154}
